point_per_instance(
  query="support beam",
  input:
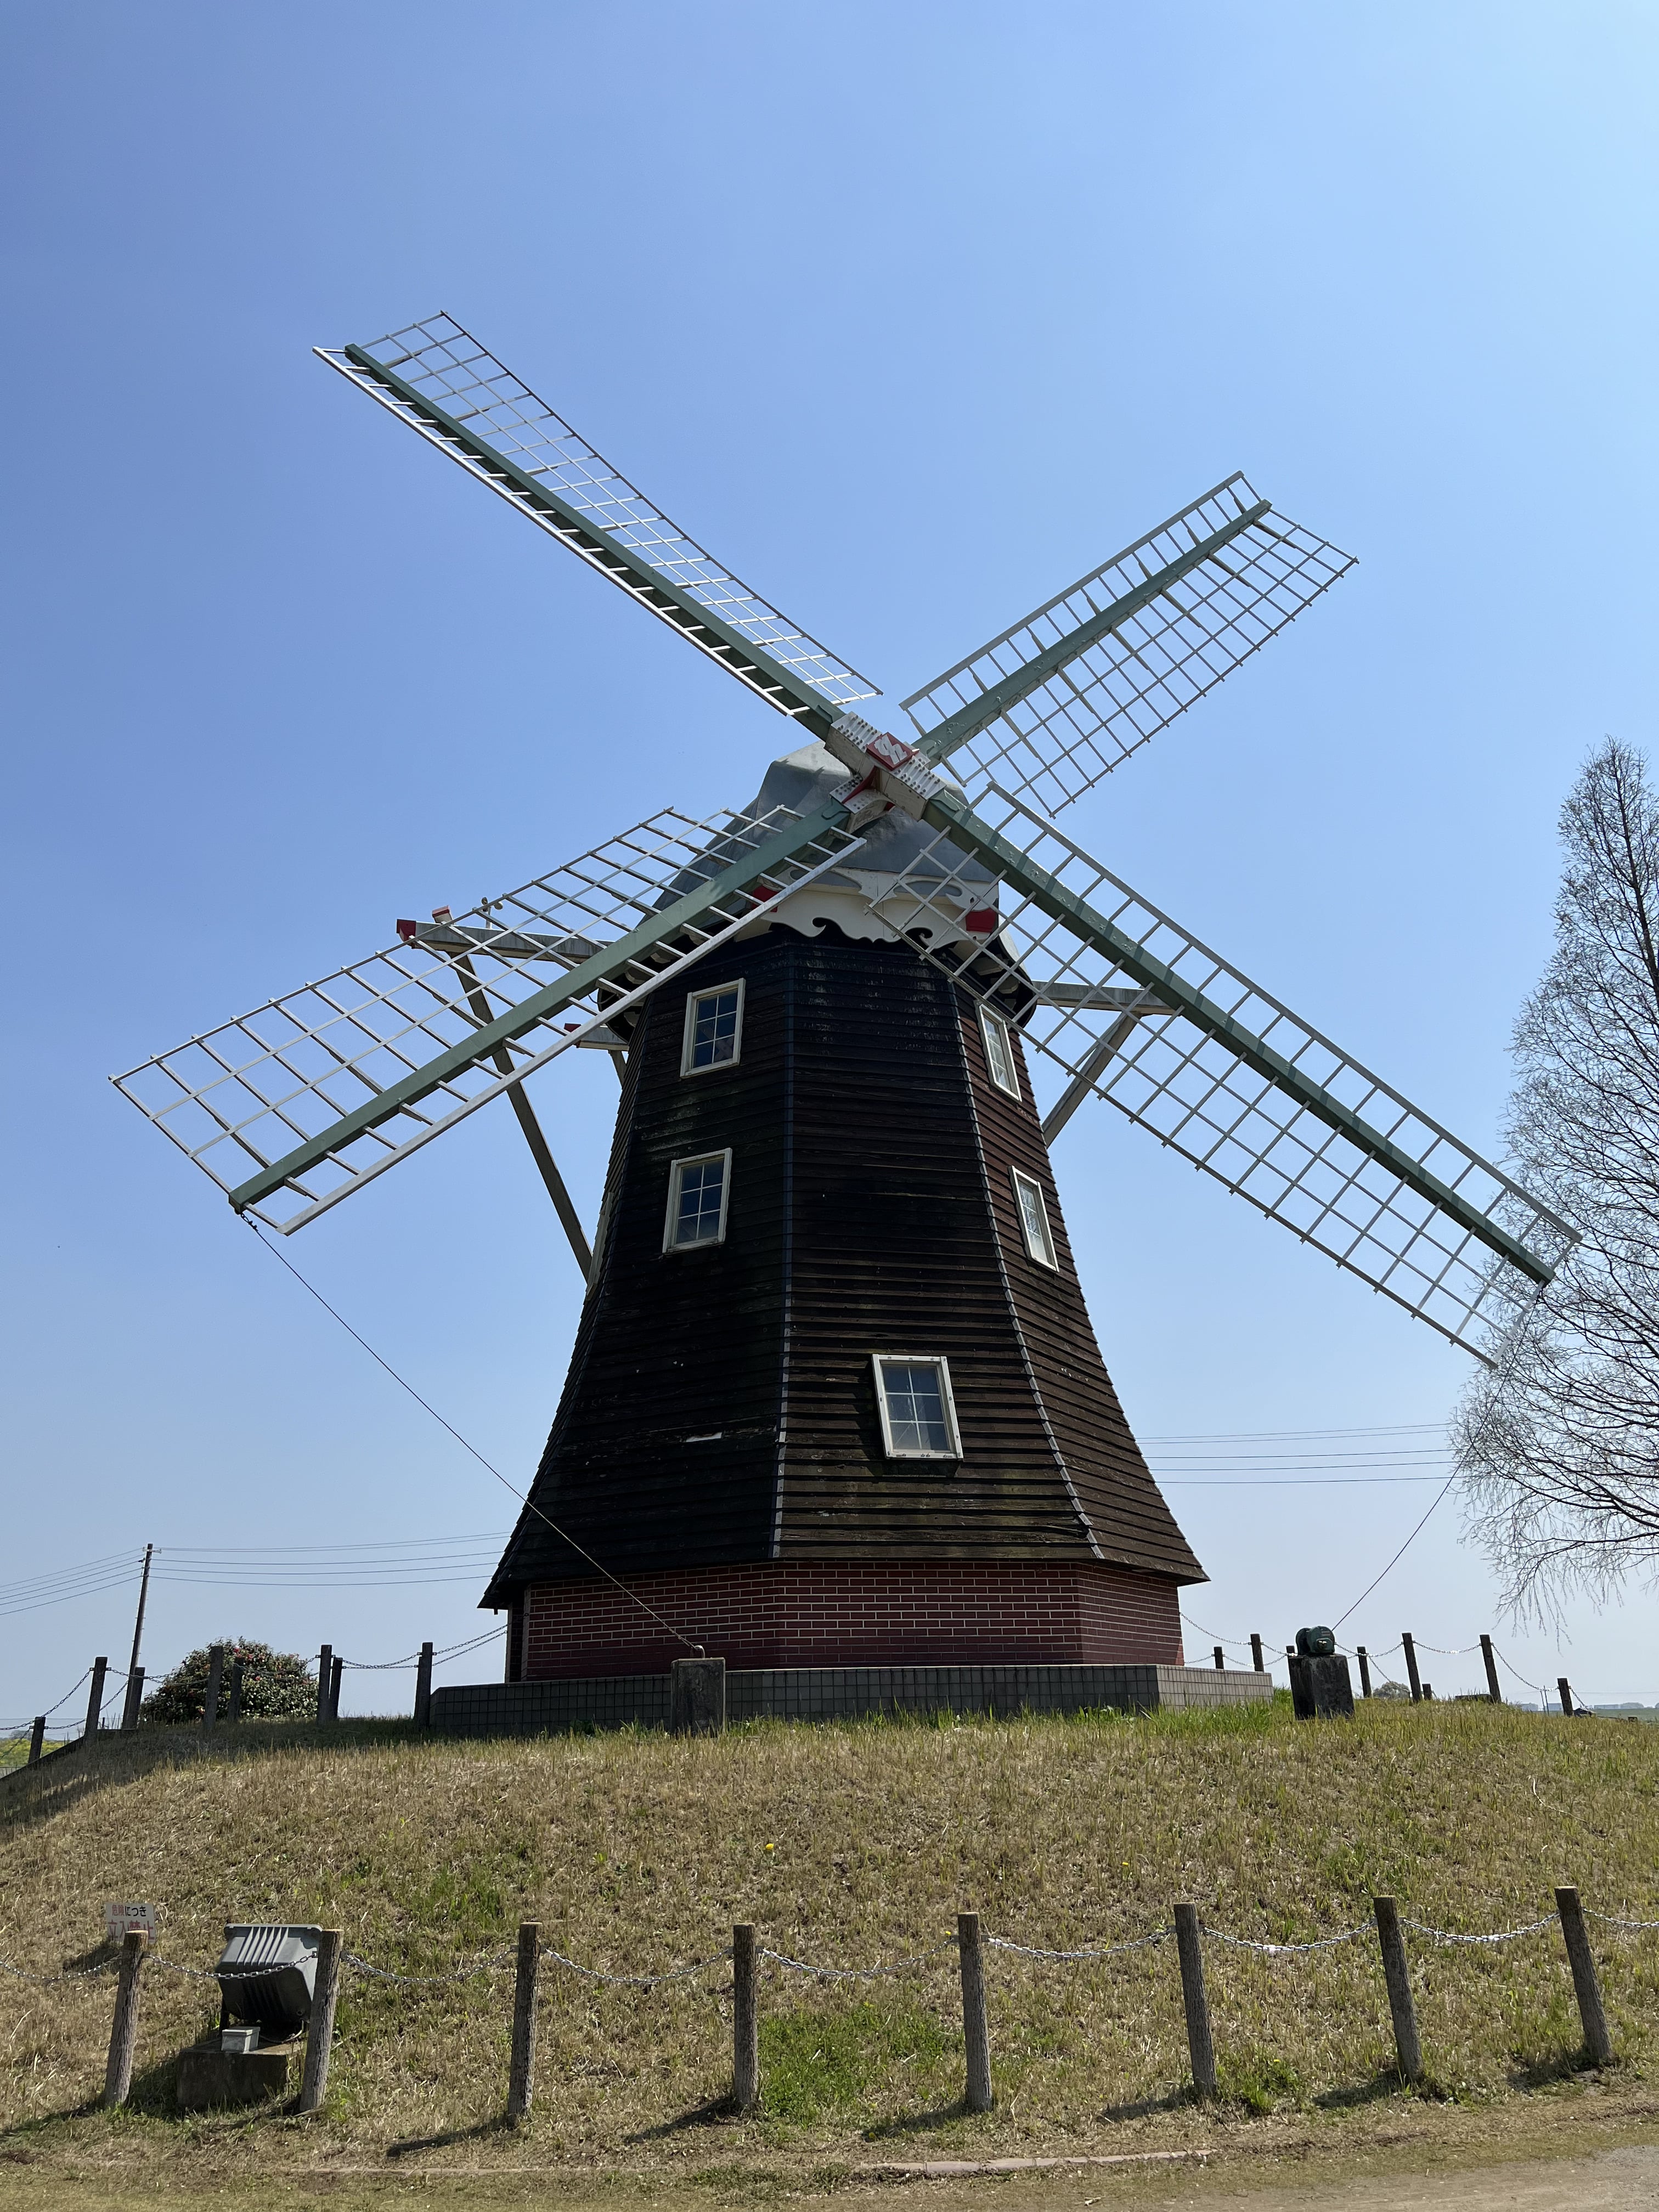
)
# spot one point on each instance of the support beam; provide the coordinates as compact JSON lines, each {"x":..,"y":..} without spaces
{"x":540,"y":1151}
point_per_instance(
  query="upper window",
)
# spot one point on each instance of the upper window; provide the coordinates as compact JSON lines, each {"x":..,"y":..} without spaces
{"x":918,"y":1417}
{"x":1000,"y":1052}
{"x":697,"y":1192}
{"x":714,"y":1029}
{"x":1033,"y":1220}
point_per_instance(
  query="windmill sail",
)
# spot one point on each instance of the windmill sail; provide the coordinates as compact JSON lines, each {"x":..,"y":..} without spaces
{"x":1056,"y":703}
{"x":438,"y":379}
{"x":291,"y":1107}
{"x":1129,"y":1006}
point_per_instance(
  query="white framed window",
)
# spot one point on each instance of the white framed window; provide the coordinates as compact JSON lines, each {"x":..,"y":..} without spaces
{"x":918,"y":1414}
{"x":714,"y":1029}
{"x":1033,"y":1220}
{"x":697,"y":1192}
{"x":1000,"y":1062}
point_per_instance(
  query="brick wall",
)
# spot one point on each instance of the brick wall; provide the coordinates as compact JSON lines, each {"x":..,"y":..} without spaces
{"x":858,"y":1614}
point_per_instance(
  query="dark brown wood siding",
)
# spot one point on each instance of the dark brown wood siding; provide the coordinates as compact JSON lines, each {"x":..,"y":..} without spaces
{"x":870,"y":1210}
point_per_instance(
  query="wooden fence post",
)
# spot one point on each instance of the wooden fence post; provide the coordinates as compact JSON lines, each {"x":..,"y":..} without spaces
{"x":123,"y":2029}
{"x":1200,"y":2043}
{"x":1257,"y":1659}
{"x":319,"y":2033}
{"x":1409,"y":1644}
{"x":423,"y":1688}
{"x":324,"y":1676}
{"x":336,"y":1673}
{"x":520,"y":2083}
{"x":1220,"y":1660}
{"x":1564,"y":1691}
{"x":134,"y":1700}
{"x":745,"y":2020}
{"x":95,"y":1697}
{"x":1491,"y":1657}
{"x":37,"y":1737}
{"x":1395,"y":1973}
{"x":976,"y":2028}
{"x":1364,"y":1659}
{"x":216,"y":1683}
{"x":233,"y":1706}
{"x":1585,"y":1982}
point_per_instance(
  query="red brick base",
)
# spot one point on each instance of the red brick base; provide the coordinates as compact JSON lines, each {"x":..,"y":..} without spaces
{"x":852,"y":1613}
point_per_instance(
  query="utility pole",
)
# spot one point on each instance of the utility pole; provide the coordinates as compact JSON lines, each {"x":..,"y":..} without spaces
{"x":138,"y":1625}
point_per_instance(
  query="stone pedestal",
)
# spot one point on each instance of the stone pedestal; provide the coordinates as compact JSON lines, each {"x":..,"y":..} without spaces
{"x":209,"y":2076}
{"x":1321,"y":1690}
{"x":696,"y":1697}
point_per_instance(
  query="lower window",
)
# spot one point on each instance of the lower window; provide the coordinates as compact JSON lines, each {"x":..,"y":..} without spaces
{"x":697,"y":1192}
{"x":1033,"y":1220}
{"x":918,"y":1414}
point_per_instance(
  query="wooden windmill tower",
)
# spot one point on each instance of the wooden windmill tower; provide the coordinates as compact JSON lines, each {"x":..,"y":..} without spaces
{"x":834,"y":1400}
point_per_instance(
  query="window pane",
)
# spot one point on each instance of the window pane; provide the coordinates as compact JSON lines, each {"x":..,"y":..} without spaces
{"x":915,"y":1407}
{"x":698,"y":1218}
{"x":999,"y":1053}
{"x":715,"y":1028}
{"x":1034,"y":1221}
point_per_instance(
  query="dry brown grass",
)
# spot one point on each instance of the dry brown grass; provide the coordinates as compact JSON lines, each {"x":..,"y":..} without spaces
{"x":846,"y":1845}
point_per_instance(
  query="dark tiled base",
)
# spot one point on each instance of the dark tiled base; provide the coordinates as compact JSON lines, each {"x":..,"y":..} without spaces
{"x":823,"y":1693}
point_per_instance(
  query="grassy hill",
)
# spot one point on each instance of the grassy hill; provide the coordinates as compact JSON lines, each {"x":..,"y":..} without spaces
{"x":847,"y":1847}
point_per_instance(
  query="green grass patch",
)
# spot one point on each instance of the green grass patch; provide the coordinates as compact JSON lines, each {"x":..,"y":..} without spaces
{"x":814,"y":2063}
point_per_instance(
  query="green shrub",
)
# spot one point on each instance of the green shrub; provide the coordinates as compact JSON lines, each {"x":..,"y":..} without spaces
{"x":277,"y":1685}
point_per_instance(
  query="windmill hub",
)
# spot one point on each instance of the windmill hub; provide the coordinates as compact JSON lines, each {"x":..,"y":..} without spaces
{"x":835,"y":1401}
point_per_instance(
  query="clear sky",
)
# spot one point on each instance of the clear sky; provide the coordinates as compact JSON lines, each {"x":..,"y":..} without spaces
{"x":912,"y":313}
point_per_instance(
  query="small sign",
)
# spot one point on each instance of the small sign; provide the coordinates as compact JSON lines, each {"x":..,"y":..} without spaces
{"x":890,"y":752}
{"x":120,"y":1920}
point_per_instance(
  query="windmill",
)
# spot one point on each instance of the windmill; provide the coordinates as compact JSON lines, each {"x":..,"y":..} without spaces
{"x":835,"y":1398}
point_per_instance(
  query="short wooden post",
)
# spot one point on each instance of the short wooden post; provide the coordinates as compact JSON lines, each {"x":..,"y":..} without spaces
{"x":234,"y":1705}
{"x":975,"y":2027}
{"x":423,"y":1688}
{"x":1408,"y":2047}
{"x":1598,"y":2042}
{"x":1490,"y":1658}
{"x":95,"y":1696}
{"x":134,"y":1700}
{"x":123,"y":2029}
{"x":746,"y":2019}
{"x":1364,"y":1659}
{"x":1428,"y":1693}
{"x":335,"y":1673}
{"x":319,"y":2034}
{"x":215,"y":1682}
{"x":521,"y":2082}
{"x":1257,"y":1659}
{"x":325,"y":1677}
{"x":1200,"y":2045}
{"x":1220,"y":1660}
{"x":37,"y":1737}
{"x":1409,"y":1644}
{"x":1564,"y":1691}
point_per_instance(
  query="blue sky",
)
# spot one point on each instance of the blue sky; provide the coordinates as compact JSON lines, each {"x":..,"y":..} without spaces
{"x":912,"y":312}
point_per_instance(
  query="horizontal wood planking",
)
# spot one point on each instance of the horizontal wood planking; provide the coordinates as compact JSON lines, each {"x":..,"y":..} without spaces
{"x":858,"y":1221}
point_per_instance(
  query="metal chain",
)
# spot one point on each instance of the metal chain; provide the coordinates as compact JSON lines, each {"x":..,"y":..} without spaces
{"x":634,"y":1981}
{"x":1103,"y":1951}
{"x":425,"y":1981}
{"x":1502,"y":1935}
{"x":1611,"y":1920}
{"x":69,"y":1974}
{"x":1273,"y":1950}
{"x":860,"y":1973}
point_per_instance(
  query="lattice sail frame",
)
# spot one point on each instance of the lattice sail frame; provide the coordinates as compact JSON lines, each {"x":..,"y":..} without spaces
{"x":1245,"y":574}
{"x":1207,"y":1103}
{"x":293,"y":1106}
{"x":446,"y":366}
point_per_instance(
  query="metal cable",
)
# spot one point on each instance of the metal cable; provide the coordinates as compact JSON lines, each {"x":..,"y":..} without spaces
{"x":860,"y":1973}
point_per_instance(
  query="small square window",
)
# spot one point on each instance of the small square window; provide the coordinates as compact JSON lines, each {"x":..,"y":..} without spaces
{"x":1000,"y":1062}
{"x":697,"y":1192}
{"x":714,"y":1029}
{"x":1033,"y":1220}
{"x":918,"y":1415}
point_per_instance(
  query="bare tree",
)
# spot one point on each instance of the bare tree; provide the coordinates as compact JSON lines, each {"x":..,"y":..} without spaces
{"x":1558,"y":1445}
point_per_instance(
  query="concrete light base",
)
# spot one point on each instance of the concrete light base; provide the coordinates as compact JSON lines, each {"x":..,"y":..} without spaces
{"x":209,"y":2077}
{"x":1321,"y":1690}
{"x":696,"y":1697}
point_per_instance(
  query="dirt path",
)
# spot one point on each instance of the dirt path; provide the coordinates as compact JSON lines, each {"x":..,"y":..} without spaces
{"x":1614,"y":2181}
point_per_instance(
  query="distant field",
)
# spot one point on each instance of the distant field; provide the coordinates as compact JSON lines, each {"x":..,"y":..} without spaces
{"x":848,"y":1845}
